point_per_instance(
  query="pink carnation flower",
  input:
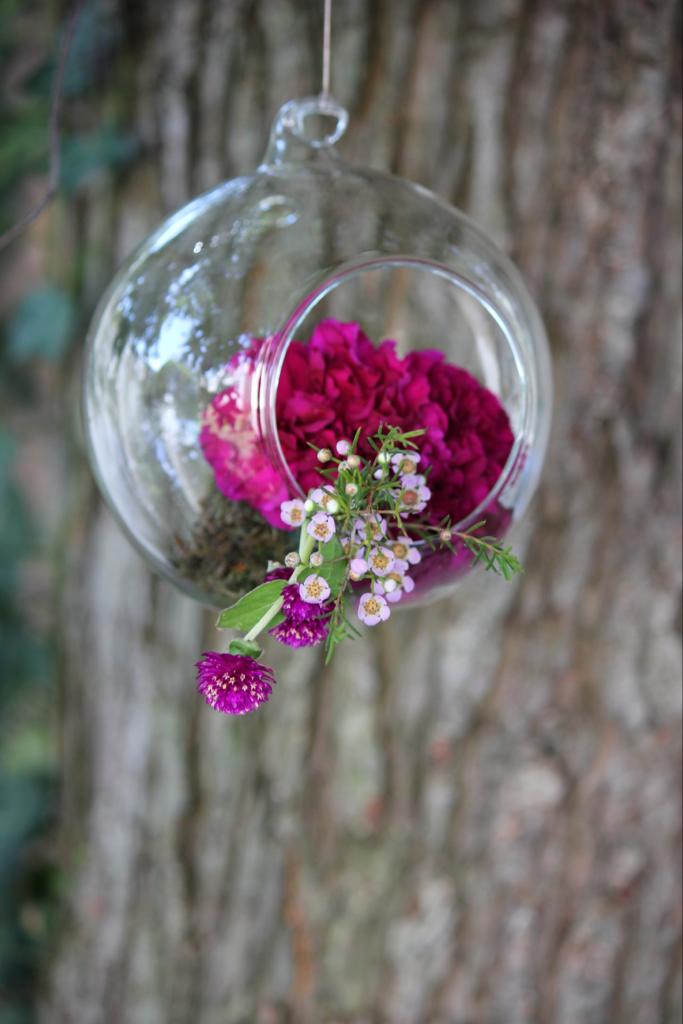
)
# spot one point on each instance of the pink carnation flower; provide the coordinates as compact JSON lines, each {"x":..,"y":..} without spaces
{"x":339,"y":381}
{"x":242,"y":470}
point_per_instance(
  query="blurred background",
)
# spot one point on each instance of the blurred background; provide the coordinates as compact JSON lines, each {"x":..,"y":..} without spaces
{"x":474,"y":817}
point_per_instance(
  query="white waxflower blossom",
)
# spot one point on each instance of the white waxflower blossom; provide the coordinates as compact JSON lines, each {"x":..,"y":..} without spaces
{"x":372,"y":608}
{"x":321,"y":527}
{"x":314,"y":589}
{"x":293,"y":512}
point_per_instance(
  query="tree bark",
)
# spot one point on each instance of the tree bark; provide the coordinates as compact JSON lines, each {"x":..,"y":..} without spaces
{"x":473,"y":817}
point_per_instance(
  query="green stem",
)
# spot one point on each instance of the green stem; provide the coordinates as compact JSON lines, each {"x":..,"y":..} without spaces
{"x":306,"y":545}
{"x":264,"y":621}
{"x":479,"y":541}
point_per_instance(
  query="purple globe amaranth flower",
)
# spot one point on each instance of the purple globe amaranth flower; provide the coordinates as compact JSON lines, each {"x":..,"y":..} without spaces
{"x":305,"y":624}
{"x":233,"y":683}
{"x":280,"y":572}
{"x":294,"y":608}
{"x":300,"y":634}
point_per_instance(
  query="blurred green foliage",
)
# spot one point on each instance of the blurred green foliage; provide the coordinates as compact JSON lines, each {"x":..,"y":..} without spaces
{"x":84,"y":156}
{"x":26,"y":759}
{"x":88,"y":144}
{"x":42,"y":322}
{"x":41,"y":325}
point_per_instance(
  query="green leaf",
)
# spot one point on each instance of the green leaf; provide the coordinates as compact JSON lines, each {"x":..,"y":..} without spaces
{"x":247,"y":647}
{"x":333,"y":568}
{"x":85,"y":156}
{"x":41,"y":326}
{"x":251,"y":608}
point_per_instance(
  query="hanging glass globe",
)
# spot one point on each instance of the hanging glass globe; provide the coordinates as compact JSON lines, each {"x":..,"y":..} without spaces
{"x":280,"y":309}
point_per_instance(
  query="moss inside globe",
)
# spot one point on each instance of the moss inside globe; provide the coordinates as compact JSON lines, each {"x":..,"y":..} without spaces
{"x":229,"y":548}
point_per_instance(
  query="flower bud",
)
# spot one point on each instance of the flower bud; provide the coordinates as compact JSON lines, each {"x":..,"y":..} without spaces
{"x":390,"y":585}
{"x":324,"y":455}
{"x":343,"y":447}
{"x":353,"y":461}
{"x":316,"y":558}
{"x":309,"y":505}
{"x":291,"y":560}
{"x":383,"y":458}
{"x":332,"y":506}
{"x":445,"y":536}
{"x":351,"y":489}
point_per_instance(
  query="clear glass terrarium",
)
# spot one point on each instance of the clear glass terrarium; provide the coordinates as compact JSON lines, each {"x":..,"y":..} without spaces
{"x":216,"y":300}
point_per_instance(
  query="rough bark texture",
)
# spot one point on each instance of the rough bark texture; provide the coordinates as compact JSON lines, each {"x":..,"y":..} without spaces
{"x":473,"y":817}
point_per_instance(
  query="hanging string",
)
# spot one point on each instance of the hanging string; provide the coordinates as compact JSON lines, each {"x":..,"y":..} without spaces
{"x":327,"y":37}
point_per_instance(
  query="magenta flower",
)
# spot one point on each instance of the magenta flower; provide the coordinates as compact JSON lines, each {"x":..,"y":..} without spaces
{"x":294,"y":608}
{"x":300,"y":634}
{"x":305,"y":622}
{"x":233,"y":683}
{"x":279,"y":573}
{"x":242,"y":469}
{"x":372,"y":608}
{"x":340,"y":379}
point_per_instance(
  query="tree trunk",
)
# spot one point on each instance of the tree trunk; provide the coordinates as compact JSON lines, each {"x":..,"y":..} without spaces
{"x":472,"y":818}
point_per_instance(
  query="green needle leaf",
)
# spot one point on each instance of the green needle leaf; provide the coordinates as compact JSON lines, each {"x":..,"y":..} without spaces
{"x":334,"y":566}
